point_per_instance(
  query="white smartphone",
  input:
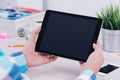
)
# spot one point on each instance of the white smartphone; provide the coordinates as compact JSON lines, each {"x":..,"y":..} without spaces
{"x":107,"y":69}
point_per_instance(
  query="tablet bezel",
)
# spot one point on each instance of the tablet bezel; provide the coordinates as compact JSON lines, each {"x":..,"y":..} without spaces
{"x":41,"y":34}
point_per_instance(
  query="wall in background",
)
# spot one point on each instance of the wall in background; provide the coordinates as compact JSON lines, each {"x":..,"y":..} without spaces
{"x":84,"y":7}
{"x":36,"y":4}
{"x":7,"y":3}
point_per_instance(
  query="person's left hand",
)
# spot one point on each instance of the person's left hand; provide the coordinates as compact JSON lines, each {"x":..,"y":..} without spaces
{"x":34,"y":58}
{"x":95,"y":60}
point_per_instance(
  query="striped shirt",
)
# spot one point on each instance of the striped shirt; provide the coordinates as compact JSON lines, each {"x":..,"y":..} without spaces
{"x":13,"y":67}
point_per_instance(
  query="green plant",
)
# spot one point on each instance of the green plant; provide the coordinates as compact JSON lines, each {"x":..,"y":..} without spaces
{"x":111,"y":17}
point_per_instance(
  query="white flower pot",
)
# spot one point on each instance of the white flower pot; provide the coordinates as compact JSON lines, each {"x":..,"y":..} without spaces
{"x":111,"y":40}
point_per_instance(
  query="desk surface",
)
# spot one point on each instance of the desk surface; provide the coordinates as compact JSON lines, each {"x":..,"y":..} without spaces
{"x":65,"y":69}
{"x":61,"y":69}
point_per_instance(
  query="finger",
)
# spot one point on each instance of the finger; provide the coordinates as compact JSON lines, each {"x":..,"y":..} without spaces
{"x":34,"y":34}
{"x":48,"y":56}
{"x":81,"y":62}
{"x":45,"y":54}
{"x":97,"y":46}
{"x":48,"y":59}
{"x":82,"y":67}
{"x":94,"y":45}
{"x":37,"y":30}
{"x":54,"y":58}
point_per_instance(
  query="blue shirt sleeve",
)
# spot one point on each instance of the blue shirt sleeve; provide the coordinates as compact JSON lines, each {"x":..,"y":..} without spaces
{"x":14,"y":68}
{"x":86,"y":75}
{"x":20,"y":61}
{"x":8,"y":69}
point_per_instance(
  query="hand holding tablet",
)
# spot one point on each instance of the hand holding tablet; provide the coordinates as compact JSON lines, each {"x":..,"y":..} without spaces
{"x":68,"y":35}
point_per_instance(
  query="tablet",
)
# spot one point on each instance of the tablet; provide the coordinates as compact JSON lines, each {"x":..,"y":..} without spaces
{"x":68,"y":35}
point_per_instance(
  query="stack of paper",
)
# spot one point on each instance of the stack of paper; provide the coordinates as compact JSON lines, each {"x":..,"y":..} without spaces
{"x":12,"y":18}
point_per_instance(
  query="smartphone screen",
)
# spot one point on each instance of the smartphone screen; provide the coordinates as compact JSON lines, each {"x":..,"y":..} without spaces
{"x":108,"y":68}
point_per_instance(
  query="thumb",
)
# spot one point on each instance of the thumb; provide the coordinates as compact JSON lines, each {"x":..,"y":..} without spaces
{"x":94,"y":46}
{"x":34,"y":34}
{"x":97,"y":46}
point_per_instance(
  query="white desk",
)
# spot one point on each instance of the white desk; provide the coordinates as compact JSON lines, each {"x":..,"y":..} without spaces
{"x":61,"y":69}
{"x":65,"y":69}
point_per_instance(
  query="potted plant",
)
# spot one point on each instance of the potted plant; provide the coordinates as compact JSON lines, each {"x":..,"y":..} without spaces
{"x":111,"y":28}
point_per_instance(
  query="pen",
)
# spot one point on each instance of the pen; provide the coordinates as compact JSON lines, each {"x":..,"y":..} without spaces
{"x":39,"y":21}
{"x":16,"y":45}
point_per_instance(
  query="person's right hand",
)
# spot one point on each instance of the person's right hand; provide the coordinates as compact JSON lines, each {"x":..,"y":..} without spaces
{"x":35,"y":58}
{"x":95,"y":60}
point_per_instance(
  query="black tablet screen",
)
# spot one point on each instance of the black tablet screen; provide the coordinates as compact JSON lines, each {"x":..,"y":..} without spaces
{"x":68,"y":35}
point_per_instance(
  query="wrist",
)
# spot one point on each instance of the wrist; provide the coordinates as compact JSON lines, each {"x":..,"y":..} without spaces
{"x":26,"y":57}
{"x":28,"y":60}
{"x":86,"y":75}
{"x":91,"y":68}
